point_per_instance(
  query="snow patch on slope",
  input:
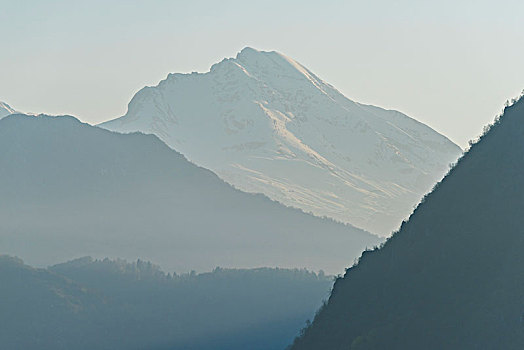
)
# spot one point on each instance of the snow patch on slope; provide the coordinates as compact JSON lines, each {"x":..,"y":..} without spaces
{"x":6,"y":110}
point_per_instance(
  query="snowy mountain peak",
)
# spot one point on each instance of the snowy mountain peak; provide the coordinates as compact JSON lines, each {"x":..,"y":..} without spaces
{"x":265,"y":123}
{"x":249,"y":51}
{"x":266,"y":66}
{"x":266,"y":59}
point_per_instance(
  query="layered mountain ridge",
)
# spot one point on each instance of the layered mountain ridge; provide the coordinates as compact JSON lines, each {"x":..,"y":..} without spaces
{"x":69,"y":189}
{"x":266,"y":124}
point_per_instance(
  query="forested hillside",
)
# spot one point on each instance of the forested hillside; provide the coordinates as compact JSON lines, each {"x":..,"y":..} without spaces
{"x":453,"y":276}
{"x":112,"y":304}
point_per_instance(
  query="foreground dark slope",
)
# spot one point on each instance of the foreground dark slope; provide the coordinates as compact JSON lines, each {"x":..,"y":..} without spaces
{"x":68,"y":189}
{"x":453,"y":276}
{"x":87,"y":304}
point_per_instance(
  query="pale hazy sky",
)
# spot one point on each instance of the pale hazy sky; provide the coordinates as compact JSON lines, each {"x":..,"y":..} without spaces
{"x":449,"y":64}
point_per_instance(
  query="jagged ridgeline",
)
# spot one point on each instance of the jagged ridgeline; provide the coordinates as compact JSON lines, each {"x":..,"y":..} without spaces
{"x":453,"y":276}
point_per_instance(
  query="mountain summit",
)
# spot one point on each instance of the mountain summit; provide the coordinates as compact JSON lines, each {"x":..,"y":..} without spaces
{"x":452,"y":277}
{"x":266,"y":124}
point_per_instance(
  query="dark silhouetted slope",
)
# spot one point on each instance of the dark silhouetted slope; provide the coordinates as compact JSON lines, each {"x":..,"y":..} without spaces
{"x":114,"y":305}
{"x":68,"y":190}
{"x":453,"y":276}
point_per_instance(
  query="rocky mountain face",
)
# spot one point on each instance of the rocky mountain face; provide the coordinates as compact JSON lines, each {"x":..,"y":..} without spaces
{"x":266,"y":124}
